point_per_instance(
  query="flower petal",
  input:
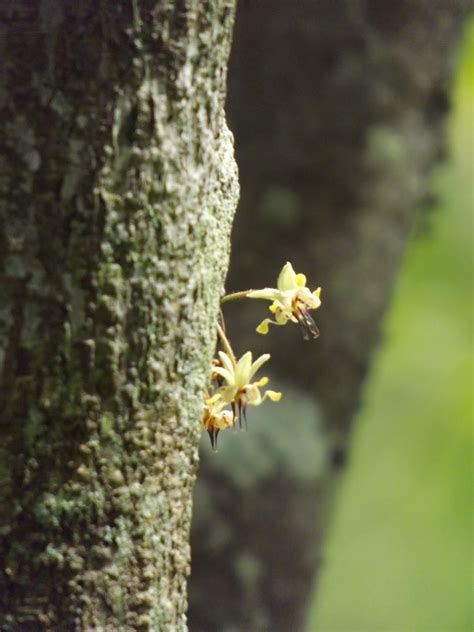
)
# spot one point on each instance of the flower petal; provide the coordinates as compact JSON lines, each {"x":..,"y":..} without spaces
{"x":310,"y":299}
{"x":254,"y":396}
{"x":275,"y":396}
{"x":257,"y":364}
{"x":269,"y":293}
{"x":282,"y":317}
{"x":223,"y":420}
{"x":300,"y":279}
{"x":226,"y":361}
{"x":242,"y":370}
{"x":287,"y":278}
{"x":263,"y":327}
{"x":228,"y":377}
{"x":228,"y":394}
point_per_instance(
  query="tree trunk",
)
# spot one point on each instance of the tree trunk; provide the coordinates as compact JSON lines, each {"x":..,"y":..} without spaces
{"x":118,"y":188}
{"x":337,"y":107}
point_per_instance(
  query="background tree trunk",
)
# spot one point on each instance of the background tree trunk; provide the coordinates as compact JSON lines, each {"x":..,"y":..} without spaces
{"x":337,"y":107}
{"x":118,"y":188}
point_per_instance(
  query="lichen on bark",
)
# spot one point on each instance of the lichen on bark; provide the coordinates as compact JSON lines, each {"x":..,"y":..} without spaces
{"x":117,"y":195}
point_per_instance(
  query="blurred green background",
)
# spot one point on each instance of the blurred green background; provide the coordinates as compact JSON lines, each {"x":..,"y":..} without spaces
{"x":399,"y":556}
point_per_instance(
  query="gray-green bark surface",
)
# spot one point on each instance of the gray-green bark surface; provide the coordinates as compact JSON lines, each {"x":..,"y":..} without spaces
{"x":118,"y":187}
{"x":338,"y":109}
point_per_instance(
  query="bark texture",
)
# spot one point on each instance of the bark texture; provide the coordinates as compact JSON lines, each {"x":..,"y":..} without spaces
{"x":338,"y":108}
{"x":118,"y":187}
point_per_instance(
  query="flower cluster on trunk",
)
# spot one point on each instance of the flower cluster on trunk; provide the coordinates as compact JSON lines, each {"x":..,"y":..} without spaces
{"x":232,"y":388}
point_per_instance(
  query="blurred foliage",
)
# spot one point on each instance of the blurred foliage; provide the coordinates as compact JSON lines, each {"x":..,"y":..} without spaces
{"x":400,"y":551}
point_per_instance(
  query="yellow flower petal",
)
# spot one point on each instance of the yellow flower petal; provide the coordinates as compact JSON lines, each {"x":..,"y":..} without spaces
{"x":301,"y":279}
{"x":213,"y":399}
{"x":226,"y":362}
{"x":227,"y":375}
{"x":262,"y":381}
{"x":253,"y":395}
{"x":287,"y":278}
{"x":263,"y":327}
{"x":317,"y":292}
{"x":257,"y":364}
{"x":242,"y":370}
{"x":283,"y":317}
{"x":228,"y":394}
{"x":223,"y":420}
{"x":268,"y":293}
{"x":273,"y":395}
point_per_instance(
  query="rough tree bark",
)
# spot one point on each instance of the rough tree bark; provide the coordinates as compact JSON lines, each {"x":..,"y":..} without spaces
{"x":337,"y":107}
{"x":118,"y":188}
